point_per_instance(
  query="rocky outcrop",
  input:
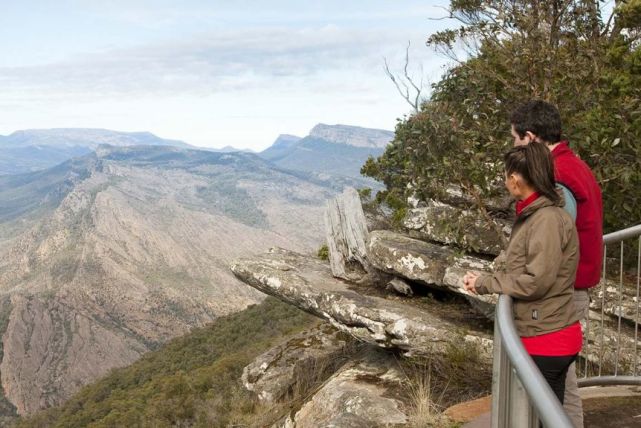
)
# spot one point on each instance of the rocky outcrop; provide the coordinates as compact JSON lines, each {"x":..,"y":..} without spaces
{"x":431,"y":257}
{"x":366,"y":392}
{"x":309,"y":285}
{"x":426,"y":263}
{"x":303,"y":358}
{"x":455,"y":196}
{"x":447,"y":224}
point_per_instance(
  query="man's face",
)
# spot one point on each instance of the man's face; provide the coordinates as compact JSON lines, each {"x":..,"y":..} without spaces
{"x":518,"y":141}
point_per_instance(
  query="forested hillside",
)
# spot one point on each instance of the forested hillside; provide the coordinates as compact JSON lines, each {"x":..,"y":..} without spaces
{"x":193,"y":380}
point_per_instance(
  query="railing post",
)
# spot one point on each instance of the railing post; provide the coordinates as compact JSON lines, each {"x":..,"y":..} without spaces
{"x":510,"y":404}
{"x":501,"y":371}
{"x":522,"y":393}
{"x":521,"y":412}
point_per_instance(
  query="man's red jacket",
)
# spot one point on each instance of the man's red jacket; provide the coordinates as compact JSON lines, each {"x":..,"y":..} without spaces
{"x":576,"y":175}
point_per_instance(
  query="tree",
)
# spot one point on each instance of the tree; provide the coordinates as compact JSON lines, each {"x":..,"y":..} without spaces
{"x":562,"y":51}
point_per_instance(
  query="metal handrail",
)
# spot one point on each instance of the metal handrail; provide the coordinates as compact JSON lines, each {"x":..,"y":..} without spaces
{"x":515,"y":373}
{"x":547,"y":406}
{"x":620,"y":235}
{"x":617,"y":238}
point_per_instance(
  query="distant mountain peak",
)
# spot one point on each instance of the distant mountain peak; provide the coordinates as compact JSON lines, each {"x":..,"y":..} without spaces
{"x":286,"y":140}
{"x":229,"y":149}
{"x":352,"y":135}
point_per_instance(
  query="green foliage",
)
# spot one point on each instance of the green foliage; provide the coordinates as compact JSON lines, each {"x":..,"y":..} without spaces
{"x":192,"y":381}
{"x":323,"y":252}
{"x":517,"y":51}
{"x":365,"y":193}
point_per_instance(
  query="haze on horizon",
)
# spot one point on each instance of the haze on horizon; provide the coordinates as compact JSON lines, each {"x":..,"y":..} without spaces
{"x":210,"y":73}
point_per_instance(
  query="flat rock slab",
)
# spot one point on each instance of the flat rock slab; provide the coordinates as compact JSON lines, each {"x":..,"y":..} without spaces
{"x":308,"y":284}
{"x":273,"y":374}
{"x":366,"y":393}
{"x":451,"y":225}
{"x":431,"y":264}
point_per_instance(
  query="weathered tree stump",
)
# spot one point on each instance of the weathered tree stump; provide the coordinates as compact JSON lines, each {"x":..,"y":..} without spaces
{"x":346,"y":233}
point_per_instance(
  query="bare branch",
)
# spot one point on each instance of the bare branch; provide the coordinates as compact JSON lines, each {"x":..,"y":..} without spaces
{"x":405,"y":85}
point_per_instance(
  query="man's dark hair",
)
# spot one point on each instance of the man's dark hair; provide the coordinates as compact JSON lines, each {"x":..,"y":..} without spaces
{"x":540,"y":118}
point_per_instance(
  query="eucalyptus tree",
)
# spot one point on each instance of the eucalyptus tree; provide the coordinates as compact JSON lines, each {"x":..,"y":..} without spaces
{"x":581,"y":55}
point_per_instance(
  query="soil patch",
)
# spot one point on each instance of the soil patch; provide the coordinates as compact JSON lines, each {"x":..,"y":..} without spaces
{"x":620,"y":412}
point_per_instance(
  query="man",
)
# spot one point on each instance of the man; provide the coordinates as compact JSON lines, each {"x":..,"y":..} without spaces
{"x":540,"y":122}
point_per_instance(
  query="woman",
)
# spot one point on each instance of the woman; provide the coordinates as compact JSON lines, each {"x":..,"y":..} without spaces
{"x":538,"y":267}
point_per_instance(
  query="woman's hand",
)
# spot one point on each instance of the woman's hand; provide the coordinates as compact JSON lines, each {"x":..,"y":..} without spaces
{"x":469,"y":281}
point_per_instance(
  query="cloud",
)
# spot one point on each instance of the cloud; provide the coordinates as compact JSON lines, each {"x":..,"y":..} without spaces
{"x":232,"y":60}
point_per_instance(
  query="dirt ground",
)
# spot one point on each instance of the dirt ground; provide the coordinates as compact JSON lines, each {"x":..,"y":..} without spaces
{"x":619,"y":412}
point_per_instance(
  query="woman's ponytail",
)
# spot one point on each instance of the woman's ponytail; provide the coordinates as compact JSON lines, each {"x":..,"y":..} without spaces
{"x":534,"y":163}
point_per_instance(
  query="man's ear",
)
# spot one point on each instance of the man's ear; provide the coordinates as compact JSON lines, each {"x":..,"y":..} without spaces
{"x":532,"y":136}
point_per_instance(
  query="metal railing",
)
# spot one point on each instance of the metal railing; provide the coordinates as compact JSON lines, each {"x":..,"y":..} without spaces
{"x":519,"y":391}
{"x":521,"y":396}
{"x":618,"y":308}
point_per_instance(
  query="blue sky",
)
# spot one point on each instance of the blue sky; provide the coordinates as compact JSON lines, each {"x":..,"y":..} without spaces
{"x":211,"y":73}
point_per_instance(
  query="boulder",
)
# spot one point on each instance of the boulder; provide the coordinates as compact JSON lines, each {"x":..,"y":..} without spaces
{"x":366,"y":392}
{"x":400,"y":286}
{"x":430,"y":264}
{"x":446,"y":224}
{"x":308,"y":284}
{"x":310,"y":354}
{"x":455,"y":196}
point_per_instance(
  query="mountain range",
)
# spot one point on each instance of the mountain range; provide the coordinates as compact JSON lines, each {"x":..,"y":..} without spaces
{"x":37,"y":149}
{"x":328,"y":149}
{"x":109,"y":254}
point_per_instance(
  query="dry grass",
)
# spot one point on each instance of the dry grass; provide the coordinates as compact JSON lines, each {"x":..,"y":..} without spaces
{"x":424,"y":410}
{"x":438,"y":382}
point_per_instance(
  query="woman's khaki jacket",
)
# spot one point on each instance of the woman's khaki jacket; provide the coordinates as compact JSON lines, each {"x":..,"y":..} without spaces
{"x":538,"y":269}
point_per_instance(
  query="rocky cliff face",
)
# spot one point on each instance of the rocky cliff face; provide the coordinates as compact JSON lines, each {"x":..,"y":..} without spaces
{"x":136,"y":252}
{"x":337,"y":150}
{"x":352,"y":135}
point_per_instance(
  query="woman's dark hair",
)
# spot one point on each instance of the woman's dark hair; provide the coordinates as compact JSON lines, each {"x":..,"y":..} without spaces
{"x":534,"y":163}
{"x":540,"y":118}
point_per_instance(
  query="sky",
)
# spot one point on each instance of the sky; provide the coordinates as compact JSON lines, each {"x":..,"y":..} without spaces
{"x":211,"y":73}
